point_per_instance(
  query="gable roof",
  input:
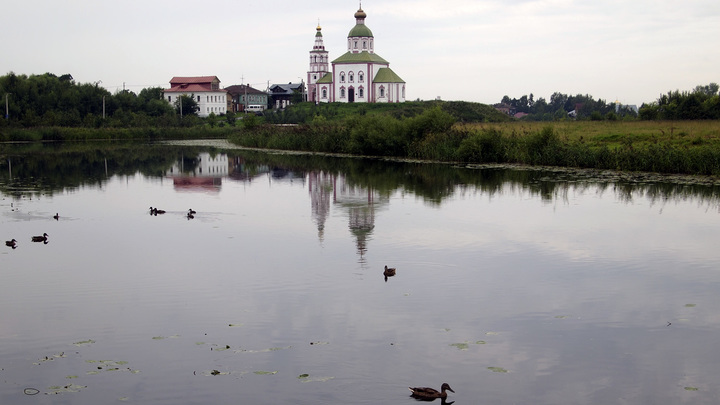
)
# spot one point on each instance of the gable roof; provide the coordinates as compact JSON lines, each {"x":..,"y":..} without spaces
{"x":386,"y":75}
{"x":193,"y":79}
{"x":328,"y":78}
{"x":241,"y":89}
{"x":289,"y":88}
{"x":361,"y":57}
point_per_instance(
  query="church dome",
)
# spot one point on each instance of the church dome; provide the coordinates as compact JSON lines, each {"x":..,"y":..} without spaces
{"x":360,"y":29}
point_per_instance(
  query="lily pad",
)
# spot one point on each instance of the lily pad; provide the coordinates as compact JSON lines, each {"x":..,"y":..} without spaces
{"x":234,"y":325}
{"x":480,"y":342}
{"x":56,"y":389}
{"x":84,"y":342}
{"x":265,"y":372}
{"x":690,"y":305}
{"x":317,"y":379}
{"x":304,"y":376}
{"x":497,"y":369}
{"x":461,"y":346}
{"x":561,"y":316}
{"x":691,"y":388}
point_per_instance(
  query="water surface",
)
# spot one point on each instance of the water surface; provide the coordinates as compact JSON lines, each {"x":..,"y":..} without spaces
{"x":514,"y":286}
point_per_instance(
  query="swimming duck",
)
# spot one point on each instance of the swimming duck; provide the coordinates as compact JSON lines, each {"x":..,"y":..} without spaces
{"x":11,"y":243}
{"x":389,"y":272}
{"x":56,"y":216}
{"x":190,"y":216}
{"x":430,"y":393}
{"x":192,"y":211}
{"x":42,"y":238}
{"x":155,"y":211}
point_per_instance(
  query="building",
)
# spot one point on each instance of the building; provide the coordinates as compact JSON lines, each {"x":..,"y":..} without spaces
{"x":360,"y":75}
{"x":205,"y":90}
{"x":243,"y":95}
{"x":285,"y":94}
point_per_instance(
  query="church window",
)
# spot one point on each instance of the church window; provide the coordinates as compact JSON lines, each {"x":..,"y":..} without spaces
{"x":361,"y":92}
{"x":342,"y":93}
{"x":403,"y":92}
{"x":364,"y":44}
{"x":342,"y":77}
{"x":324,"y":92}
{"x":355,"y":44}
{"x":361,"y":77}
{"x":351,"y":76}
{"x":382,"y":91}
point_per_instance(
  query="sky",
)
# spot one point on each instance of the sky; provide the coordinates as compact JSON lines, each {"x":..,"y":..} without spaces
{"x":469,"y":50}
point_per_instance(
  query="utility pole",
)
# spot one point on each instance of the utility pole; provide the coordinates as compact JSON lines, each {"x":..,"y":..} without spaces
{"x":7,"y":110}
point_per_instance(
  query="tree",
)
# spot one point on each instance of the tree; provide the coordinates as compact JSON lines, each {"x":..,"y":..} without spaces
{"x":186,"y":105}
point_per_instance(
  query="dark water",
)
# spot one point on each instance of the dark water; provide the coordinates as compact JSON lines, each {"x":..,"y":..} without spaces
{"x":514,"y":286}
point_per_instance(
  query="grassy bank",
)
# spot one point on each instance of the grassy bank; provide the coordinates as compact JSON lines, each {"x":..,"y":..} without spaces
{"x":683,"y":147}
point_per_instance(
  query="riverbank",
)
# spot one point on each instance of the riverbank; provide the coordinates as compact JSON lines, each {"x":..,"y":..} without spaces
{"x":677,"y":147}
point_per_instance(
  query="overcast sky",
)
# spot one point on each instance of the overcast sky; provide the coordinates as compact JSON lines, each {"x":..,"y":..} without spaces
{"x":472,"y":50}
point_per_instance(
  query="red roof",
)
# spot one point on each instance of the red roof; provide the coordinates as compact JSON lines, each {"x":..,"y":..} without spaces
{"x":194,"y":84}
{"x":193,"y":80}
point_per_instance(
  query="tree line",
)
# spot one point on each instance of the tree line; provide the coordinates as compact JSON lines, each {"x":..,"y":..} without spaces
{"x":50,"y":100}
{"x":703,"y":102}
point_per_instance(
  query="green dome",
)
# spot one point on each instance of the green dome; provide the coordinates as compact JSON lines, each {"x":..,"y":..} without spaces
{"x":360,"y":30}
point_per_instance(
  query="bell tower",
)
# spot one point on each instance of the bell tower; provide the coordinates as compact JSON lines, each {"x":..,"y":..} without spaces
{"x":319,"y":65}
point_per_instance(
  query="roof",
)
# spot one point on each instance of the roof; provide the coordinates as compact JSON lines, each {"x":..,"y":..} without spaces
{"x":328,"y":78}
{"x":289,"y":88}
{"x":361,"y":57}
{"x":193,"y":84}
{"x":192,"y":88}
{"x":193,"y":79}
{"x":360,"y":30}
{"x":386,"y":75}
{"x":242,"y":88}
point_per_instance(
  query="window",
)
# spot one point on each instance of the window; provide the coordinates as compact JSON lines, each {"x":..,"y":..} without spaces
{"x":351,"y":76}
{"x":169,"y":98}
{"x":342,"y":93}
{"x":198,"y":99}
{"x":324,"y":93}
{"x":355,"y":44}
{"x":361,"y":92}
{"x":342,"y":77}
{"x":361,"y":77}
{"x":382,"y":91}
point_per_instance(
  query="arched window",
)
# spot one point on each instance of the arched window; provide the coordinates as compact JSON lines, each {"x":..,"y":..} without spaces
{"x":364,"y":44}
{"x":351,"y":76}
{"x":361,"y":92}
{"x":342,"y":77}
{"x":361,"y":77}
{"x":324,"y":92}
{"x":342,"y":92}
{"x":382,"y":91}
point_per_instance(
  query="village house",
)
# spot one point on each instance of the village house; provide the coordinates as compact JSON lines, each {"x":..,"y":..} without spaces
{"x":242,"y":96}
{"x":285,"y":94}
{"x":205,"y":90}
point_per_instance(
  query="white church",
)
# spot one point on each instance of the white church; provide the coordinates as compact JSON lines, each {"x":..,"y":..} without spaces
{"x":358,"y":76}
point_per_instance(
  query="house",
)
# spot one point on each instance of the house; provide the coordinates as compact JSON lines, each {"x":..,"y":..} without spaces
{"x":205,"y":90}
{"x":505,"y":108}
{"x":242,"y":95}
{"x":358,"y":76}
{"x":283,"y":95}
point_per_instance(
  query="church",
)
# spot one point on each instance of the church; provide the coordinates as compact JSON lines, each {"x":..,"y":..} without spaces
{"x":358,"y":76}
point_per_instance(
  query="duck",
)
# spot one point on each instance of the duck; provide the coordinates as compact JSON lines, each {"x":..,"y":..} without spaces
{"x":430,"y":393}
{"x":155,"y":211}
{"x":42,"y":238}
{"x":190,"y":216}
{"x":389,"y":271}
{"x":192,"y":211}
{"x":56,"y":216}
{"x":11,"y":243}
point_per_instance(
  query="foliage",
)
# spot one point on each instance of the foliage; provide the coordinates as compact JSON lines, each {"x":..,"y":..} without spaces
{"x":703,"y":103}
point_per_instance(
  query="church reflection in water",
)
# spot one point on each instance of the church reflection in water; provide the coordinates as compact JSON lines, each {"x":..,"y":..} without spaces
{"x":205,"y":173}
{"x":330,"y":189}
